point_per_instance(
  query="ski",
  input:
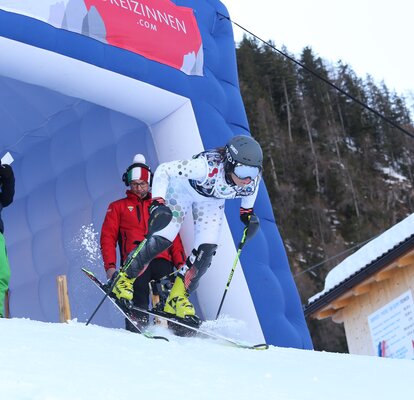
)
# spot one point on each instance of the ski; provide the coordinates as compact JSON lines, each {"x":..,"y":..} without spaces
{"x":188,"y":329}
{"x":199,"y":331}
{"x":123,"y":309}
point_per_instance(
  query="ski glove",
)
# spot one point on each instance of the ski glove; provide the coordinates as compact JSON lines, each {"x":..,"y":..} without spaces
{"x":245,"y":215}
{"x":6,"y":171}
{"x":160,"y":215}
{"x":250,"y":219}
{"x":155,"y":203}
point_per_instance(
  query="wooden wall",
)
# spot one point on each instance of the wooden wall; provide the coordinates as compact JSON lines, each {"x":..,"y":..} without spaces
{"x":355,"y":314}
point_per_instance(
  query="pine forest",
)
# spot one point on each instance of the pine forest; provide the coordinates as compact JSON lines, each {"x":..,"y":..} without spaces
{"x":337,"y":174}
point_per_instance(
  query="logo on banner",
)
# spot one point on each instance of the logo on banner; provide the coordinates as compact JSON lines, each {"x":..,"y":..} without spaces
{"x":157,"y":29}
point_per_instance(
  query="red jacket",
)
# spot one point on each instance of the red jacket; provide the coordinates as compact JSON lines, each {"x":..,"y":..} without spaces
{"x":126,"y":222}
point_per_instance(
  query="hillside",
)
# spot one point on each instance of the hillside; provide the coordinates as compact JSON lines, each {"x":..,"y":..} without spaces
{"x":337,"y":174}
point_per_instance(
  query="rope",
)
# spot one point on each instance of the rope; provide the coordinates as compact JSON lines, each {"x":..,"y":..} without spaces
{"x":333,"y":257}
{"x":378,"y":114}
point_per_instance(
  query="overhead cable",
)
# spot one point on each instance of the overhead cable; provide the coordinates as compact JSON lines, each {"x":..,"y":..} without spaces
{"x":333,"y":257}
{"x":366,"y":106}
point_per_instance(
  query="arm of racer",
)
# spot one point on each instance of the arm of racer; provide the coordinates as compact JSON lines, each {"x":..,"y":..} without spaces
{"x":184,"y":169}
{"x":248,"y":201}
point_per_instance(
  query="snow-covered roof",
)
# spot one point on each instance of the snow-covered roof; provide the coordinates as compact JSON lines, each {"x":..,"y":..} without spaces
{"x":367,"y":254}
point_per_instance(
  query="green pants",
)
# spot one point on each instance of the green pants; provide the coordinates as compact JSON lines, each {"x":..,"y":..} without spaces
{"x":4,"y":273}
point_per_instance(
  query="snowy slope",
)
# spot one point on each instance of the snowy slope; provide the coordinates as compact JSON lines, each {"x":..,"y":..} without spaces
{"x":46,"y":361}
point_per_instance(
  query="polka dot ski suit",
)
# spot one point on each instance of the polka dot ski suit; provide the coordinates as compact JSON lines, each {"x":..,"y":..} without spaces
{"x":199,"y":185}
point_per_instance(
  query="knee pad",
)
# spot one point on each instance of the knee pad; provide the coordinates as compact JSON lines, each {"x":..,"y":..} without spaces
{"x":198,"y":263}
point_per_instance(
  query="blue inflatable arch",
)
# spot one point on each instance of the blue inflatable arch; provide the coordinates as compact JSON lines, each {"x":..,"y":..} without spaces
{"x":73,"y":112}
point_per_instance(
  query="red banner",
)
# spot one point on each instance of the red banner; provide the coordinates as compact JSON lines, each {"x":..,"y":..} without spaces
{"x":157,"y":29}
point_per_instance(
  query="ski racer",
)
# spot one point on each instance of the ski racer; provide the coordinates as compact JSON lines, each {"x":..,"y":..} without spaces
{"x":201,"y":185}
{"x":126,"y":224}
{"x":6,"y":198}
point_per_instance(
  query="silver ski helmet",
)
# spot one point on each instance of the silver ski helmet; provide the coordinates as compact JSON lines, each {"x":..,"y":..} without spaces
{"x":244,"y":157}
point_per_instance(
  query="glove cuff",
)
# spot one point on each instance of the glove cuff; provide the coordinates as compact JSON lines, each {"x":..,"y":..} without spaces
{"x":245,"y":214}
{"x":159,"y":200}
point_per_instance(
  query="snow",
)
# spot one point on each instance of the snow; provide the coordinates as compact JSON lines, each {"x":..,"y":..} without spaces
{"x":393,"y":174}
{"x":368,"y":253}
{"x":86,"y":243}
{"x":51,"y":361}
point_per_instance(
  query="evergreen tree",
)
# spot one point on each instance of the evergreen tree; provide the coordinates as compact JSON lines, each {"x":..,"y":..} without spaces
{"x":327,"y":161}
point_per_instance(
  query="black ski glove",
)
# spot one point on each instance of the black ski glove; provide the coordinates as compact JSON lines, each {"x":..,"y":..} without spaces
{"x":245,"y":215}
{"x":160,"y":215}
{"x":6,"y":171}
{"x":156,"y":203}
{"x":250,"y":219}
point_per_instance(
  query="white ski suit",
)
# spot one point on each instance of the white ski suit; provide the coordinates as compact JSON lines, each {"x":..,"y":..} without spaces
{"x":199,"y":184}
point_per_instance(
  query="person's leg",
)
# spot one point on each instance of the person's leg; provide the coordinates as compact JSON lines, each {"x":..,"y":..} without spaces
{"x":208,"y":218}
{"x":141,"y":288}
{"x":123,"y":288}
{"x":4,"y":273}
{"x":179,"y":201}
{"x":160,"y":268}
{"x":140,"y":298}
{"x":162,"y":277}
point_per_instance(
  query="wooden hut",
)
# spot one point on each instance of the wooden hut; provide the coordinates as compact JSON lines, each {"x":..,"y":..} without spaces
{"x":370,"y":292}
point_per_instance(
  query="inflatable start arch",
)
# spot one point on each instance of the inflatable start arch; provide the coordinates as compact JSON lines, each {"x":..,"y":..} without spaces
{"x":84,"y":86}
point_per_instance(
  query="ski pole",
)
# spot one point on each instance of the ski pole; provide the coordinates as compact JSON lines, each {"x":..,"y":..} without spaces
{"x":157,"y":222}
{"x":241,"y":244}
{"x":248,"y":233}
{"x":114,"y":281}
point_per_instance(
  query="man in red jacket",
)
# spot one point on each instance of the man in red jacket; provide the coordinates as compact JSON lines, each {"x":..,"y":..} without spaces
{"x":126,"y":224}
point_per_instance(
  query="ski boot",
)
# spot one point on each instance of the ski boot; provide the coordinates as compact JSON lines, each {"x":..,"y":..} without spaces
{"x":178,"y":305}
{"x":123,"y":288}
{"x":160,"y":290}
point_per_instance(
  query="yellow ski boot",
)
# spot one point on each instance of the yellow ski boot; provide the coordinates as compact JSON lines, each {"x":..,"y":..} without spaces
{"x":123,"y":289}
{"x":177,"y":302}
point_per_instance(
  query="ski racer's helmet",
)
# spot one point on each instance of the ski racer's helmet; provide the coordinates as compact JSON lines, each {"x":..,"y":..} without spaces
{"x":244,"y":157}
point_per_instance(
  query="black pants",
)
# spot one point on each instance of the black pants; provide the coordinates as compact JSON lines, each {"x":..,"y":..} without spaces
{"x":157,"y":268}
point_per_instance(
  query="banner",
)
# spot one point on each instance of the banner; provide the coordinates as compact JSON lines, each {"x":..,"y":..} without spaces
{"x":156,"y":29}
{"x":392,"y":328}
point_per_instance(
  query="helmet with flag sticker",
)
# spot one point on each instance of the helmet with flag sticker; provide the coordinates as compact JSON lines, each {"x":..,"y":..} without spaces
{"x":244,"y":157}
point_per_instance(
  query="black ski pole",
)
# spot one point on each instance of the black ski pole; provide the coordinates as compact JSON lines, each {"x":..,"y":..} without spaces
{"x":159,"y":220}
{"x":248,"y":233}
{"x":241,"y":244}
{"x":114,"y":281}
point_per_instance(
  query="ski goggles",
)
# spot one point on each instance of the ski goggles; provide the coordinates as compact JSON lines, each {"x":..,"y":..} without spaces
{"x":246,"y":171}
